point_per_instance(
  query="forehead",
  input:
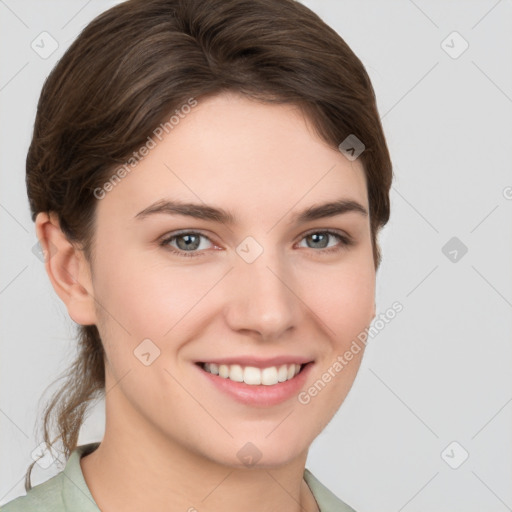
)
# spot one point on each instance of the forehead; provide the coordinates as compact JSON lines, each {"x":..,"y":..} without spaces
{"x":239,"y":154}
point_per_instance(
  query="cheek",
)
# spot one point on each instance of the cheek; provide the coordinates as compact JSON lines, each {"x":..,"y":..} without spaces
{"x":344,"y":302}
{"x":344,"y":298}
{"x":138,"y":301}
{"x":148,"y":296}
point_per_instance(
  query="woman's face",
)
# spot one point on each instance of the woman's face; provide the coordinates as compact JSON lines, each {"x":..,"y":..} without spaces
{"x":267,"y":284}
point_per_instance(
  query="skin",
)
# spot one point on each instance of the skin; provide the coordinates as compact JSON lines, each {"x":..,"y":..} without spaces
{"x":171,"y":438}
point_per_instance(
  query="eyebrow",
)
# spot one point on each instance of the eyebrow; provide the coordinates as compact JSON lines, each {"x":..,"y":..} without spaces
{"x":205,"y":212}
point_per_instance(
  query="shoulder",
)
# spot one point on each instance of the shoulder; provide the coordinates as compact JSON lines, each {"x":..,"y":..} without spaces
{"x":326,"y":500}
{"x":65,"y":491}
{"x":44,"y":497}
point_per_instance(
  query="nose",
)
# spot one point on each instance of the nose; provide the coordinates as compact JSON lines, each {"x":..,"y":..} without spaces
{"x":262,"y":297}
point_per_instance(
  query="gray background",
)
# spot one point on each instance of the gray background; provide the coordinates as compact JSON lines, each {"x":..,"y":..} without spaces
{"x":441,"y":370}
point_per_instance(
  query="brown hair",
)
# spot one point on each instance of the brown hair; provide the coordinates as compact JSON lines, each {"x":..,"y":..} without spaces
{"x":134,"y":65}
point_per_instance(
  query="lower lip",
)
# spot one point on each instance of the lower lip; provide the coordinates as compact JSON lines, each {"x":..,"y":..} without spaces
{"x":260,"y":395}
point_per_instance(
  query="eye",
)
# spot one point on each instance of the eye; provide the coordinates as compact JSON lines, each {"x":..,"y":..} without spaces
{"x":319,"y":240}
{"x":187,"y":242}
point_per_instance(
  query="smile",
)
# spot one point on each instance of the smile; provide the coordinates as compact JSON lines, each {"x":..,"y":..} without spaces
{"x":253,"y":376}
{"x":255,"y":381}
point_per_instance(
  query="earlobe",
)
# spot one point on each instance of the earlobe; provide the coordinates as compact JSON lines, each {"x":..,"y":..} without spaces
{"x":67,"y":269}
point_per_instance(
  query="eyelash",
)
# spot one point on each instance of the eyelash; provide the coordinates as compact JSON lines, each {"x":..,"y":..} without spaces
{"x":346,"y":241}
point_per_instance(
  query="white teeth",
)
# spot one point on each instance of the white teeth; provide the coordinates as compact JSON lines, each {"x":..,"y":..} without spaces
{"x":254,"y":376}
{"x":236,"y":373}
{"x":269,"y":376}
{"x":282,"y":373}
{"x":223,"y":371}
{"x":251,"y":375}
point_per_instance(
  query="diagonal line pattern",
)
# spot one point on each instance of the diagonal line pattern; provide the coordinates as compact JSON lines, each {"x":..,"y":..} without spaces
{"x":14,"y":423}
{"x":413,"y":87}
{"x":15,"y":485}
{"x":492,"y":81}
{"x":407,"y":295}
{"x":407,"y":502}
{"x":74,"y":483}
{"x":424,"y":14}
{"x":199,"y":403}
{"x":415,"y":209}
{"x":1,"y":205}
{"x":493,"y":287}
{"x":11,"y":79}
{"x":117,"y":382}
{"x":485,"y":218}
{"x":14,"y":14}
{"x":215,"y":488}
{"x":285,"y":490}
{"x":485,"y":15}
{"x":76,"y":14}
{"x":404,"y":403}
{"x":503,"y":407}
{"x":491,"y":490}
{"x":15,"y":277}
{"x":279,"y":424}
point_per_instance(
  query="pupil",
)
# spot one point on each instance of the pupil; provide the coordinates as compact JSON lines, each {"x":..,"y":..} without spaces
{"x":317,"y":238}
{"x":189,"y":243}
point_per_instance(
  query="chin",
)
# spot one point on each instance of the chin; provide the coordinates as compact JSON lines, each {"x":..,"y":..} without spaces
{"x":264,"y":453}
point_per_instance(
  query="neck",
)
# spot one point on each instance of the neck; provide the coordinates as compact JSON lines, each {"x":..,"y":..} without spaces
{"x":134,"y":469}
{"x":116,"y":473}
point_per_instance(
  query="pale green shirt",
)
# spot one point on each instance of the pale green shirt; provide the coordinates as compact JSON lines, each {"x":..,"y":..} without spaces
{"x":68,"y":492}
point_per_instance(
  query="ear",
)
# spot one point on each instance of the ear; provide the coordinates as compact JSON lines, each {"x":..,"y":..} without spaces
{"x":67,"y":268}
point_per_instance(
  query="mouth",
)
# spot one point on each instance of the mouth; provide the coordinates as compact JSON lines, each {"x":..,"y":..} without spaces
{"x":259,"y":385}
{"x":252,"y":375}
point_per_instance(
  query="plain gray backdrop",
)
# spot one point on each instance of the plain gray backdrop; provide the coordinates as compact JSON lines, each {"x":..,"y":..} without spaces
{"x":428,"y":423}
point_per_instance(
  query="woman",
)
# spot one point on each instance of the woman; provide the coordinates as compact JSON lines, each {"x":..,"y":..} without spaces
{"x":207,"y":181}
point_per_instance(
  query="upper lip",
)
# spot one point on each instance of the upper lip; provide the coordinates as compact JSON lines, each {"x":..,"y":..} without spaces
{"x":259,"y":362}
